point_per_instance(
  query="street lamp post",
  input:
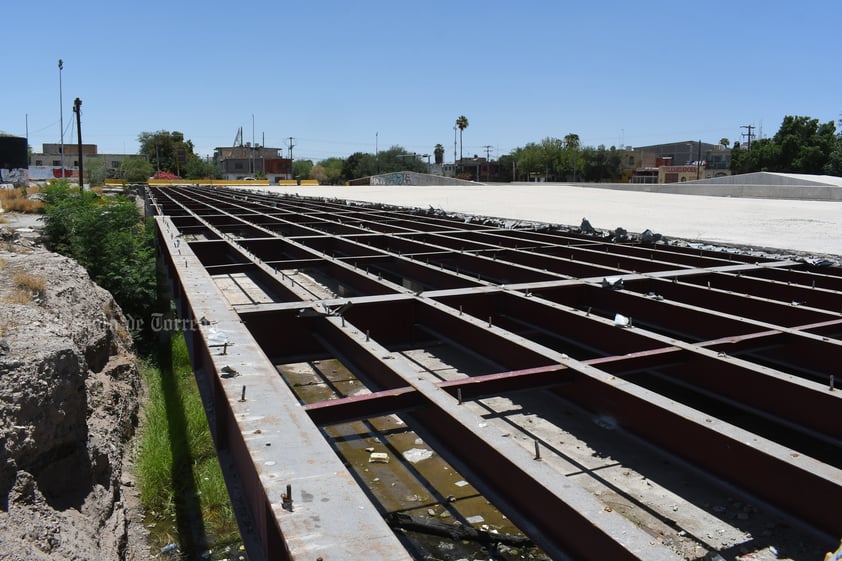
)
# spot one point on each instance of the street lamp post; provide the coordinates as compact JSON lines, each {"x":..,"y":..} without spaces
{"x":61,"y":115}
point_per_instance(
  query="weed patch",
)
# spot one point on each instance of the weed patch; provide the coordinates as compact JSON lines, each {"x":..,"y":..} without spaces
{"x":179,"y":477}
{"x":18,"y":296}
{"x":16,"y":200}
{"x":32,"y":283}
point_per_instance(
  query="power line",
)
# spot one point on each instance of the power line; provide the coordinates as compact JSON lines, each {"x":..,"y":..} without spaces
{"x":291,"y":146}
{"x":749,"y":134}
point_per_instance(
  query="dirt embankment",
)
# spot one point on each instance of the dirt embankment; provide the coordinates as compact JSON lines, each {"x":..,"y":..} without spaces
{"x":69,"y":406}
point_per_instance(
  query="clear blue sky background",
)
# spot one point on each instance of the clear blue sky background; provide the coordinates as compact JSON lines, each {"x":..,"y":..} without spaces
{"x":344,"y":76}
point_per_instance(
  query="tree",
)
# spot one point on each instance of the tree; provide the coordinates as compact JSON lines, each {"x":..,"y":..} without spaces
{"x":801,"y":145}
{"x":530,"y":161}
{"x":332,"y":170}
{"x":319,"y":174}
{"x":461,"y":124}
{"x":394,"y":159}
{"x":834,"y":161}
{"x":198,"y":168}
{"x":359,"y":164}
{"x":168,"y":151}
{"x":571,"y":143}
{"x":505,"y":165}
{"x":724,"y":142}
{"x":601,"y":164}
{"x":301,"y":169}
{"x":96,"y":172}
{"x":136,"y":170}
{"x":438,"y":152}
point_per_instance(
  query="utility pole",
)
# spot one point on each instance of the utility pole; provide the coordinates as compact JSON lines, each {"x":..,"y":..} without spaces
{"x":454,"y":145}
{"x":487,"y":148}
{"x":749,"y":134}
{"x":699,"y":160}
{"x":77,"y":108}
{"x":291,"y":146}
{"x":61,"y":115}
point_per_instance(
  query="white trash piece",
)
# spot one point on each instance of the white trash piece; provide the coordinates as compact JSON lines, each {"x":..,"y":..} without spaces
{"x":415,"y":455}
{"x":378,"y":458}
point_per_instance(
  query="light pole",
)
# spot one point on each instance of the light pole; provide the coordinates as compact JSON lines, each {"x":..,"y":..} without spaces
{"x":61,"y":116}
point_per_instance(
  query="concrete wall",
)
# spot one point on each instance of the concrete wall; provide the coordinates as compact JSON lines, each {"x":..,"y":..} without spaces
{"x":750,"y":186}
{"x":414,"y":178}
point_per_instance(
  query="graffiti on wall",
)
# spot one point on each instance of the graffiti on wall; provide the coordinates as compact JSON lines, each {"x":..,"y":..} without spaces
{"x":396,"y":178}
{"x":16,"y":176}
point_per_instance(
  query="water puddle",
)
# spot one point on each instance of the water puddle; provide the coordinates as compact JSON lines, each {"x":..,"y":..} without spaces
{"x":403,"y":475}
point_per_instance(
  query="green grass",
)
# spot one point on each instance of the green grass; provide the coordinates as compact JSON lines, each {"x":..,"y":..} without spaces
{"x":179,"y":477}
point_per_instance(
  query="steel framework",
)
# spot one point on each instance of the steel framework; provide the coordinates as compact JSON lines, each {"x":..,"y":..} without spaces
{"x":723,"y":359}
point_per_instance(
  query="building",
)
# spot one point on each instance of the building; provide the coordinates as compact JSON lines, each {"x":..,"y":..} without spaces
{"x":477,"y":168}
{"x":676,"y":162}
{"x":240,"y":162}
{"x":47,"y":164}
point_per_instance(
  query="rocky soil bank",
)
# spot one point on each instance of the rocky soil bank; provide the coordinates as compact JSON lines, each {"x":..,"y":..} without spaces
{"x":69,"y":407}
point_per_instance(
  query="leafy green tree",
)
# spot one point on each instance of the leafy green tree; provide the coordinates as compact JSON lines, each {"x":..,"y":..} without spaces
{"x":505,"y":165}
{"x":801,"y":145}
{"x":548,"y":160}
{"x":529,"y":161}
{"x":301,"y":169}
{"x":834,"y":161}
{"x":571,"y":144}
{"x":601,"y":164}
{"x":394,"y":159}
{"x":96,"y":171}
{"x":168,"y":151}
{"x":398,"y":158}
{"x":359,"y":164}
{"x":461,"y":124}
{"x":136,"y":170}
{"x":333,"y":170}
{"x":198,"y":168}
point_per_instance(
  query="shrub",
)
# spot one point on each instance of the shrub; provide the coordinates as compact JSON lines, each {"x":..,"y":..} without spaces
{"x":109,"y":238}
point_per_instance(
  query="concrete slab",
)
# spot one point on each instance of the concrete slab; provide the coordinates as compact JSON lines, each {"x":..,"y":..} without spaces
{"x":810,"y":227}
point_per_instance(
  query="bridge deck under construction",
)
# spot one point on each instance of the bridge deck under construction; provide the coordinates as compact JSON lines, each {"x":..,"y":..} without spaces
{"x":326,"y":331}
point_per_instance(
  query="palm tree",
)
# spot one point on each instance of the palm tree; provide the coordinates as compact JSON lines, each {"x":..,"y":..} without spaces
{"x":461,"y":124}
{"x":571,"y":140}
{"x":438,"y":152}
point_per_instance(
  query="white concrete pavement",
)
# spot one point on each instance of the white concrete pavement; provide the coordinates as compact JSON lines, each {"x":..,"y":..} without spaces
{"x":804,"y":227}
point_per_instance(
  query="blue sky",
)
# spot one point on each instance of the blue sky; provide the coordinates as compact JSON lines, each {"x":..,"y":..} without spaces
{"x":343,"y":76}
